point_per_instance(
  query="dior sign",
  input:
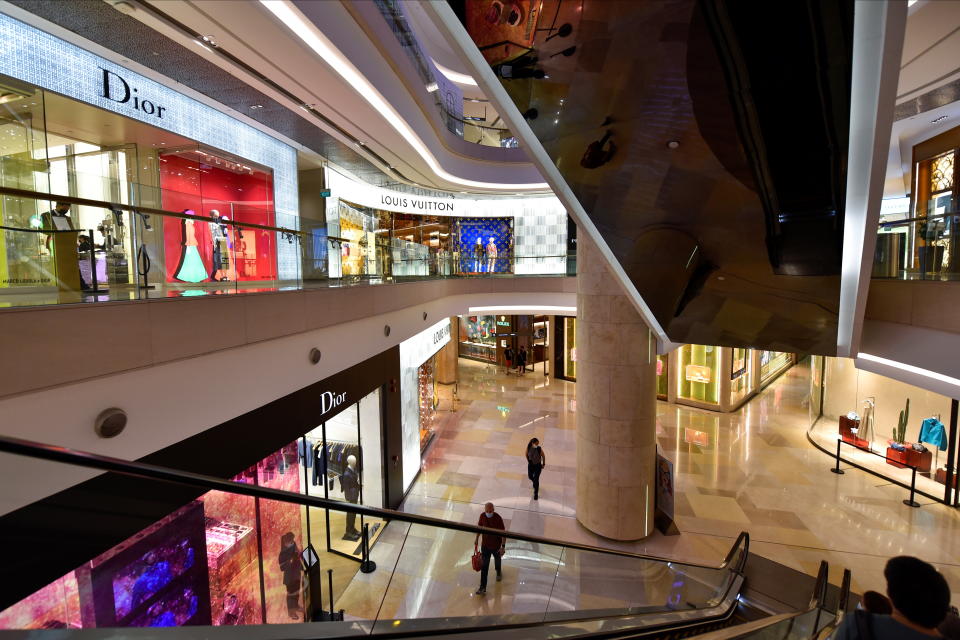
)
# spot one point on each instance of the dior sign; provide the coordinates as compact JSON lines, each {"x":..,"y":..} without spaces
{"x":330,"y":400}
{"x":117,"y":89}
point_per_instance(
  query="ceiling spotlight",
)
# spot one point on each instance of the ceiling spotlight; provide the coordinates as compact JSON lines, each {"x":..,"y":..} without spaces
{"x":673,"y":144}
{"x":256,"y":106}
{"x":940,"y":119}
{"x":210,"y":40}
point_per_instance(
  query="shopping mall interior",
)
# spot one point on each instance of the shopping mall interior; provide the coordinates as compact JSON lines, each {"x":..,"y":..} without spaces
{"x":479,"y":318}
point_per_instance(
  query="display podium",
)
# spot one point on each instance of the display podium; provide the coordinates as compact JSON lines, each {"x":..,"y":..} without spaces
{"x":66,"y":261}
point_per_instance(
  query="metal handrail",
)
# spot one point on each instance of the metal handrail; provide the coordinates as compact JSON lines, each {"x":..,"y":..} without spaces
{"x":919,"y":218}
{"x":66,"y":455}
{"x":87,"y":202}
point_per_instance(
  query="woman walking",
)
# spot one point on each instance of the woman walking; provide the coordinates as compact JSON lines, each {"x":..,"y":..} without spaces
{"x":536,"y":461}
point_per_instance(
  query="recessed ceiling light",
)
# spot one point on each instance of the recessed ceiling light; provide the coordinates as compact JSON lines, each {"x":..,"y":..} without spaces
{"x":939,"y":119}
{"x":210,"y":40}
{"x":256,"y":106}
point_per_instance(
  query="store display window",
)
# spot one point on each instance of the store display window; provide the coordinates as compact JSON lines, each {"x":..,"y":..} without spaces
{"x":741,"y":374}
{"x":343,"y":458}
{"x":478,"y":338}
{"x":428,"y":399}
{"x":772,"y":363}
{"x":202,"y":183}
{"x":485,"y":245}
{"x":214,"y":561}
{"x":570,"y":348}
{"x":663,"y":376}
{"x":698,"y":379}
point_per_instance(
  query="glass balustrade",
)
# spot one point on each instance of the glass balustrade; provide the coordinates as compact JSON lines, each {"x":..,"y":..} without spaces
{"x":259,"y":550}
{"x":83,"y":248}
{"x":919,"y":248}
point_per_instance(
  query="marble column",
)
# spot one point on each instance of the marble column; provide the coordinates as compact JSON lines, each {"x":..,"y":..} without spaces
{"x":616,"y":405}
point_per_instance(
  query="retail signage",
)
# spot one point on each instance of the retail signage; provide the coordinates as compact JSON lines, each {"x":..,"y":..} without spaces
{"x":117,"y":89}
{"x":739,"y":368}
{"x":415,"y":204}
{"x":46,"y":61}
{"x":697,"y":373}
{"x":442,"y":335}
{"x":330,"y":400}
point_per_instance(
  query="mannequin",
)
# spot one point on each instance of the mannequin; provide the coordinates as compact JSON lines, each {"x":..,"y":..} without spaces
{"x":478,"y":256}
{"x":350,"y":482}
{"x":191,"y":267}
{"x":223,"y":269}
{"x":491,"y":256}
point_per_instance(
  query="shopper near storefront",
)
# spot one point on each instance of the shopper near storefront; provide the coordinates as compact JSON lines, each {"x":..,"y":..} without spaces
{"x":920,"y":597}
{"x":492,"y":545}
{"x":536,"y":461}
{"x":508,"y":358}
{"x":521,"y":360}
{"x":289,"y":561}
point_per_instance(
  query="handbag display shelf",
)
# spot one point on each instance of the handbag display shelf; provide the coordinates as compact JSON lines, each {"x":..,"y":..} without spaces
{"x":922,"y":460}
{"x":848,"y":433}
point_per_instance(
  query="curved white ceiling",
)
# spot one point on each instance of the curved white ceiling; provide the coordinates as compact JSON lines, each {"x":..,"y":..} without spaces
{"x":310,"y":35}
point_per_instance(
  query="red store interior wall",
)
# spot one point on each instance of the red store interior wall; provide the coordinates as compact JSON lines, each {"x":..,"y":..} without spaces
{"x":188,"y":184}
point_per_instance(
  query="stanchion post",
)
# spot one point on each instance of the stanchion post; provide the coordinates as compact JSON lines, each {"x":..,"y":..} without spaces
{"x":366,"y":565}
{"x":837,"y":468}
{"x":330,"y":589}
{"x":913,"y":488}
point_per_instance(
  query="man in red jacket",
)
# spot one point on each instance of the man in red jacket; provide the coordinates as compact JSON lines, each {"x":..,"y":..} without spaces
{"x":492,"y":545}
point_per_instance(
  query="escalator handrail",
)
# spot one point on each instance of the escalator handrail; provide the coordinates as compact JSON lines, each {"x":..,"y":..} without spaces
{"x":843,"y":600}
{"x":818,"y":598}
{"x":66,"y":455}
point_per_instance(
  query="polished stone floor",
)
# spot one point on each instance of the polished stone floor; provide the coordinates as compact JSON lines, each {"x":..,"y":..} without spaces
{"x":757,"y":472}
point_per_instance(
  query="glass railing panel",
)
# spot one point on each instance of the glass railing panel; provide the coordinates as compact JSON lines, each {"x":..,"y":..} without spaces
{"x":607,"y":584}
{"x":802,"y":626}
{"x":919,"y":248}
{"x":433,"y":578}
{"x":127,"y":253}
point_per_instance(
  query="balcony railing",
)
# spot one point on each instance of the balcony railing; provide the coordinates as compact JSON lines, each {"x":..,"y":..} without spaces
{"x":483,"y":134}
{"x":128,"y":250}
{"x":194,"y":568}
{"x":919,"y":248}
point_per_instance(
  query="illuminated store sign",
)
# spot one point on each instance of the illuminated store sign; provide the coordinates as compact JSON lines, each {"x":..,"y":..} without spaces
{"x":46,"y":61}
{"x":415,"y":204}
{"x":697,"y":373}
{"x":330,"y":400}
{"x":442,"y":335}
{"x":119,"y":90}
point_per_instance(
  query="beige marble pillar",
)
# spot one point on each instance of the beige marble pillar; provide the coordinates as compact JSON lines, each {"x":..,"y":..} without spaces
{"x":616,"y":405}
{"x":447,"y":356}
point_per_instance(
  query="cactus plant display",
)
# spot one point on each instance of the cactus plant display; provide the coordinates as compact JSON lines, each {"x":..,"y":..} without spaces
{"x":900,"y":431}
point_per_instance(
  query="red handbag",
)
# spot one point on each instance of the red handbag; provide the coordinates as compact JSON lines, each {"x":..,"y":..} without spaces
{"x":477,"y":559}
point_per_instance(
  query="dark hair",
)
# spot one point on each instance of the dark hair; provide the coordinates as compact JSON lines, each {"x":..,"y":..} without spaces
{"x":530,"y":444}
{"x":917,"y":590}
{"x":876,"y":602}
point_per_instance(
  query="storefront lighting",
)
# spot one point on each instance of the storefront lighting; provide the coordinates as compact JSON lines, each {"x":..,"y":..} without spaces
{"x":510,"y":308}
{"x":933,"y":375}
{"x":313,"y":38}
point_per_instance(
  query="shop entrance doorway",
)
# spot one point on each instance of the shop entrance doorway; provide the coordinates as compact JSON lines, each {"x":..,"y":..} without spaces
{"x":343,"y":462}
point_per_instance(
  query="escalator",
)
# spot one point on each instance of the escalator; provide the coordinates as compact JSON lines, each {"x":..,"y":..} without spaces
{"x":415,"y":581}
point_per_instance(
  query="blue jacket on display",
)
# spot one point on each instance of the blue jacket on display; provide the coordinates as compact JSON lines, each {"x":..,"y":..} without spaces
{"x":933,"y":432}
